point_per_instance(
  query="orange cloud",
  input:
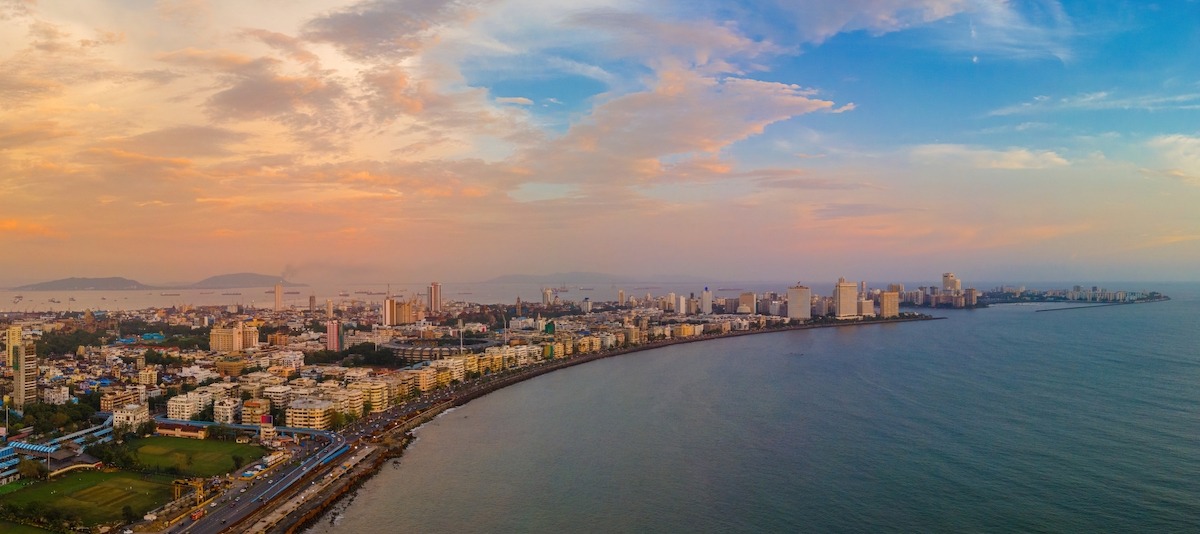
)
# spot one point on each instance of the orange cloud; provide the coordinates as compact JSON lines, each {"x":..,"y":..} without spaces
{"x":18,"y":229}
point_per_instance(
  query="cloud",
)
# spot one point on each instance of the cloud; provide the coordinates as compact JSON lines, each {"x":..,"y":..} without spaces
{"x":19,"y":229}
{"x":983,"y":158}
{"x":184,"y":141}
{"x":382,"y":29}
{"x":700,"y":44}
{"x":1102,"y":100}
{"x":518,"y":100}
{"x":19,"y":134}
{"x":1179,"y":155}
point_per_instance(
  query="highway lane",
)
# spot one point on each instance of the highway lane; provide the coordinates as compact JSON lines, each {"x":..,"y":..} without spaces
{"x":247,"y":497}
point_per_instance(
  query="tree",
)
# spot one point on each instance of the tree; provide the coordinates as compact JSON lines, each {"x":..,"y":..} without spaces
{"x":238,"y":461}
{"x":32,"y":469}
{"x":127,"y":513}
{"x":367,"y":406}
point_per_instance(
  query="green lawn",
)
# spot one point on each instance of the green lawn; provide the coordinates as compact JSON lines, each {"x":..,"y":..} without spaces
{"x":8,"y":527}
{"x":193,"y":456}
{"x":97,"y":497}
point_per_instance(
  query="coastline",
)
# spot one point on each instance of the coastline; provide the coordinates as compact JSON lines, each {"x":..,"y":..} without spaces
{"x":395,"y":441}
{"x":1106,"y":304}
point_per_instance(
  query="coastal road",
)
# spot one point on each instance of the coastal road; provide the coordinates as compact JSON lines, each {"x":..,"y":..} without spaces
{"x":247,"y":497}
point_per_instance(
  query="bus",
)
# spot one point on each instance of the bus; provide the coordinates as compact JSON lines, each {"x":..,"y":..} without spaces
{"x":197,"y":514}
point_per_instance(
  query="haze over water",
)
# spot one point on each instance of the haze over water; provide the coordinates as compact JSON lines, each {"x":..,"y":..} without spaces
{"x":999,"y":420}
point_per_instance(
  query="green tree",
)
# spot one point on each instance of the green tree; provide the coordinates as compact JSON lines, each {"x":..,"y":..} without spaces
{"x":31,"y":469}
{"x":127,"y":514}
{"x":238,"y":461}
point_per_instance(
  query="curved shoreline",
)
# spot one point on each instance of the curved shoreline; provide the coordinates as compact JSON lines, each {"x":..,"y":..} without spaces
{"x":319,"y":510}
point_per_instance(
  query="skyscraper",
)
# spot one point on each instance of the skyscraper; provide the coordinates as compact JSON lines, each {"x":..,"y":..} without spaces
{"x":13,"y":341}
{"x":547,"y":296}
{"x":278,"y":296}
{"x":333,"y":335}
{"x":620,"y":297}
{"x":24,"y":375}
{"x":951,"y":283}
{"x":389,"y":312}
{"x":799,"y":303}
{"x":312,"y":304}
{"x":435,"y":297}
{"x":329,"y":308}
{"x":889,"y":304}
{"x":706,"y":301}
{"x":845,"y":299}
{"x":747,"y":301}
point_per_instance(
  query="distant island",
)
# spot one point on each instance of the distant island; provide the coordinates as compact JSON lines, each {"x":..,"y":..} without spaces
{"x":116,"y":283}
{"x":112,"y":283}
{"x":236,"y":280}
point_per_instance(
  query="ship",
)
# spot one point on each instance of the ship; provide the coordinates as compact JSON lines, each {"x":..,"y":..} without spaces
{"x":17,"y":299}
{"x":168,"y":294}
{"x":231,"y":293}
{"x":586,"y":288}
{"x":54,"y":301}
{"x":343,"y":294}
{"x":291,"y":292}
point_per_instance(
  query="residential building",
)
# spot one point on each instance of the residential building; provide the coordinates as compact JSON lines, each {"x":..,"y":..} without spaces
{"x":310,"y":413}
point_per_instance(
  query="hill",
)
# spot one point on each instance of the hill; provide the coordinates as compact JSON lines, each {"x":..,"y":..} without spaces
{"x":112,"y":283}
{"x":237,"y":280}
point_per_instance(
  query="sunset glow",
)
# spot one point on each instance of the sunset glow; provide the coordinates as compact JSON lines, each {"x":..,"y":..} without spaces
{"x":376,"y":141}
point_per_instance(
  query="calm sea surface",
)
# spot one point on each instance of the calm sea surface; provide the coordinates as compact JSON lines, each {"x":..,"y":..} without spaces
{"x":997,"y":420}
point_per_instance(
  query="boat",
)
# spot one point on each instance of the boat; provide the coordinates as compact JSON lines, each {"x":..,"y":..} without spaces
{"x":291,"y":292}
{"x":17,"y":299}
{"x":54,"y":301}
{"x":586,"y":288}
{"x":343,"y":294}
{"x":231,"y":293}
{"x":72,"y":299}
{"x":168,"y":294}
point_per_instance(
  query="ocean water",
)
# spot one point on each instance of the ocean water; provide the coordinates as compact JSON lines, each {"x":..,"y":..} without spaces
{"x":996,"y":420}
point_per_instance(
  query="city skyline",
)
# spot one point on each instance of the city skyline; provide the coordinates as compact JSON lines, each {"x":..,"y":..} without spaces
{"x":368,"y":141}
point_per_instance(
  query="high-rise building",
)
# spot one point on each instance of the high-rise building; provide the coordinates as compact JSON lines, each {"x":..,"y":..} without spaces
{"x":706,"y":302}
{"x":889,"y":304}
{"x":682,"y":308}
{"x":278,"y":296}
{"x":951,"y":283}
{"x":333,"y":335}
{"x":329,"y":308}
{"x":748,"y":300}
{"x":312,"y":304}
{"x":389,"y":312}
{"x":620,"y":297}
{"x":799,"y":299}
{"x":845,"y":299}
{"x":24,"y":375}
{"x":11,"y":343}
{"x":547,"y":296}
{"x":435,"y":298}
{"x":233,"y":338}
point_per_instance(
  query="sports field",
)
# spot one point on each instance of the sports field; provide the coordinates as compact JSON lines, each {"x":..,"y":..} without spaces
{"x":194,"y":457}
{"x":98,"y":497}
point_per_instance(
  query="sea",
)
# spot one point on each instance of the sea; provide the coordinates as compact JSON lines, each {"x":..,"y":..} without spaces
{"x":1006,"y":419}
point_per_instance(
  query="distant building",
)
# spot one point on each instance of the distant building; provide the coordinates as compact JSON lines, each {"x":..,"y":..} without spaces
{"x":128,"y":417}
{"x":12,"y":342}
{"x":333,"y":335}
{"x":706,"y":302}
{"x":845,"y":299}
{"x":25,"y":373}
{"x":951,"y":283}
{"x":233,"y":339}
{"x":799,"y":299}
{"x":747,"y":300}
{"x":278,"y":297}
{"x":889,"y":304}
{"x":435,"y":297}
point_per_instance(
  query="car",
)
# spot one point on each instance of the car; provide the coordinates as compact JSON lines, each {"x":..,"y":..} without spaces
{"x":213,"y":505}
{"x":243,"y":490}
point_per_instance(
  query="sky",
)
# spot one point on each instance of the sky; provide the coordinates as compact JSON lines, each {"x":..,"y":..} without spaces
{"x":415,"y":140}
